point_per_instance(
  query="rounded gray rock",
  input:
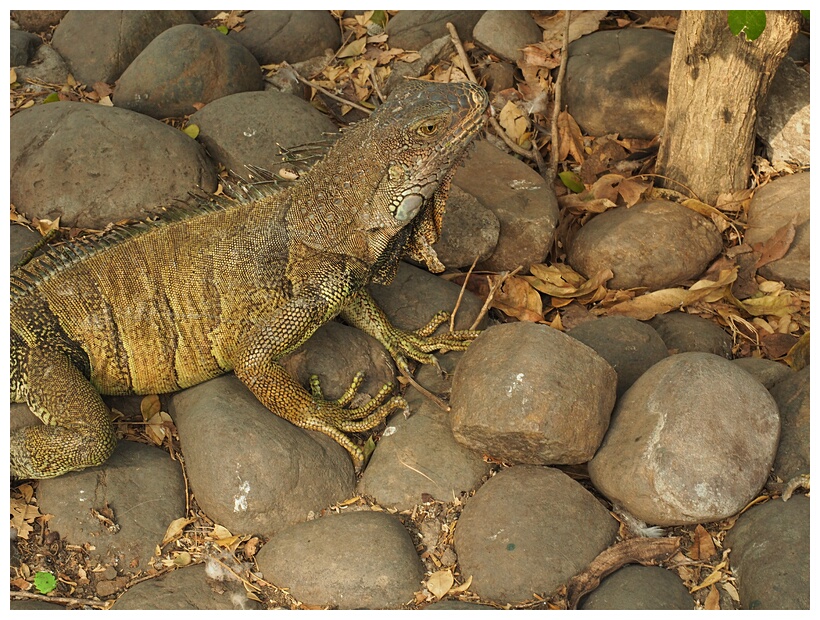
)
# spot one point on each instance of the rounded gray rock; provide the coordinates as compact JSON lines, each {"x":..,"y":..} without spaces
{"x":249,"y":469}
{"x":793,"y":453}
{"x":504,"y":33}
{"x":682,"y":333}
{"x":640,"y":587}
{"x":528,"y":530}
{"x":353,"y":560}
{"x":162,"y":82}
{"x":88,"y":164}
{"x":768,"y":372}
{"x":99,"y":45}
{"x":412,"y":30}
{"x":470,"y":230}
{"x":771,"y":554}
{"x":527,"y":393}
{"x":692,"y":441}
{"x":288,"y":35}
{"x":525,"y":205}
{"x":654,"y":244}
{"x":629,"y":346}
{"x":143,"y":488}
{"x":249,"y":128}
{"x":187,"y":588}
{"x":617,"y":81}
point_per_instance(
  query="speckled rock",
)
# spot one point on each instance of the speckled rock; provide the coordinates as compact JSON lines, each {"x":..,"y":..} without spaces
{"x":654,"y":244}
{"x":640,"y":587}
{"x":768,"y":372}
{"x":288,"y":35}
{"x":692,"y":441}
{"x":528,"y":530}
{"x":99,"y":45}
{"x":70,"y":159}
{"x":773,"y":206}
{"x":412,"y":30}
{"x":504,"y":33}
{"x":161,"y":82}
{"x":792,"y":397}
{"x":326,"y":562}
{"x":784,"y":122}
{"x":629,"y":346}
{"x":527,"y":393}
{"x":683,"y":333}
{"x":770,"y":555}
{"x":617,"y":81}
{"x":249,"y":128}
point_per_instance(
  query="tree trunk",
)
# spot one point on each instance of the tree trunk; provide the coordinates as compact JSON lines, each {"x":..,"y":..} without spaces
{"x":717,"y":83}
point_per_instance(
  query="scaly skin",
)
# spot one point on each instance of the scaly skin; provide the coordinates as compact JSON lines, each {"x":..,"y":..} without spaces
{"x":234,"y":286}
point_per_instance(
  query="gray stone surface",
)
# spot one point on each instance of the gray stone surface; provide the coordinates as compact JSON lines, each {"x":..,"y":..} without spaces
{"x":776,"y":204}
{"x":249,"y":128}
{"x":629,"y":346}
{"x":794,"y":452}
{"x":269,"y":473}
{"x":412,"y":30}
{"x":504,"y":33}
{"x":523,"y":202}
{"x":353,"y":560}
{"x":784,"y":123}
{"x":770,"y":555}
{"x":640,"y":587}
{"x":617,"y":81}
{"x":288,"y":35}
{"x":655,"y":244}
{"x":88,"y":164}
{"x":470,"y":229}
{"x":768,"y":372}
{"x":527,"y":393}
{"x":692,"y":441}
{"x":143,"y":488}
{"x":528,"y":530}
{"x":684,"y":333}
{"x":187,"y":589}
{"x":162,"y":83}
{"x":99,"y":45}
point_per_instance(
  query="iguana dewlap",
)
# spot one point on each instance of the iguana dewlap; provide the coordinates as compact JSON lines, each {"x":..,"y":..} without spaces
{"x":236,"y":285}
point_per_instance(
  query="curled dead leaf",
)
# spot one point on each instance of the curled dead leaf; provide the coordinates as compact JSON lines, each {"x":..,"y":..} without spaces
{"x":174,"y":530}
{"x":440,"y":582}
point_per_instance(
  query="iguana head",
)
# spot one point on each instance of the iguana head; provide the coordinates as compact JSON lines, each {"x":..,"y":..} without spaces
{"x":385,"y":180}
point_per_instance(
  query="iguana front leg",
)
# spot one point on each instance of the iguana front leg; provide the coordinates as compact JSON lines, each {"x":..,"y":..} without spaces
{"x":256,"y":367}
{"x":362,"y":311}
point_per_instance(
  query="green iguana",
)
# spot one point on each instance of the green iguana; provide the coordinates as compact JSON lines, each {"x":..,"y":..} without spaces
{"x":236,"y":285}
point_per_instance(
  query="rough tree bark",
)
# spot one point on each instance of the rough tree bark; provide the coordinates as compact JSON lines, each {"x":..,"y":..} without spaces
{"x":717,"y":83}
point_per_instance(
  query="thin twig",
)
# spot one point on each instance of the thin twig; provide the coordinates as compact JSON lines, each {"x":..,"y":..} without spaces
{"x":424,"y":391}
{"x":61,"y":599}
{"x":326,"y":92}
{"x":461,"y":294}
{"x":557,"y":104}
{"x":494,"y":286}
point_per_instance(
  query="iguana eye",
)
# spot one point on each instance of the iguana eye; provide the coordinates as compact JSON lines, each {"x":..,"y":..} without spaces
{"x":428,"y":129}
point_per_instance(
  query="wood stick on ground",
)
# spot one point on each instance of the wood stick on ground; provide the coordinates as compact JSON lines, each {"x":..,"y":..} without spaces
{"x":461,"y":295}
{"x":66,"y":600}
{"x":553,"y":170}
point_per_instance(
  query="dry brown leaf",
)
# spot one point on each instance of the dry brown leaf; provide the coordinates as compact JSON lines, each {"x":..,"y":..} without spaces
{"x":150,"y":406}
{"x":518,"y":299}
{"x":734,"y":202}
{"x":585,"y":203}
{"x":515,"y":123}
{"x":784,"y":304}
{"x":703,"y":547}
{"x":354,"y":48}
{"x":463,"y":587}
{"x":610,"y":186}
{"x":711,"y":579}
{"x":712,"y":601}
{"x":580,"y":23}
{"x":440,"y":582}
{"x":776,"y":246}
{"x":651,"y":304}
{"x":570,"y":139}
{"x":175,"y":529}
{"x":718,"y":219}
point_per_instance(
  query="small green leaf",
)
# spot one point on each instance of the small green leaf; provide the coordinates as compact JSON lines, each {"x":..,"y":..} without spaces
{"x":572,"y":181}
{"x":52,"y":98}
{"x":191,"y":130}
{"x":44,"y":582}
{"x":751,"y":23}
{"x":223,"y":29}
{"x":379,"y":17}
{"x":805,"y":15}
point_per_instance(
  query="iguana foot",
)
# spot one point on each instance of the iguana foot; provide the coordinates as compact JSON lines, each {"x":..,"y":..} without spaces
{"x":334,"y":418}
{"x":419,"y":344}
